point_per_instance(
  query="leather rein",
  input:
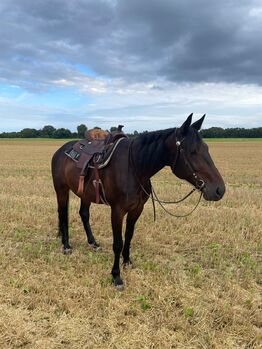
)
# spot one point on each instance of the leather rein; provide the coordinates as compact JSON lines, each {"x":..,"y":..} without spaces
{"x":199,"y":183}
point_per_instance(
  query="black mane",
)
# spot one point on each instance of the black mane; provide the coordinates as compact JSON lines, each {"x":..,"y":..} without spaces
{"x":155,"y":136}
{"x":150,"y":149}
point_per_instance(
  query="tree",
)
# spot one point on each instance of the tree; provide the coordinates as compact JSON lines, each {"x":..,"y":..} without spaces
{"x":10,"y":135}
{"x":81,"y":129}
{"x":74,"y":134}
{"x":48,"y":131}
{"x":62,"y":133}
{"x":29,"y":133}
{"x":113,"y":129}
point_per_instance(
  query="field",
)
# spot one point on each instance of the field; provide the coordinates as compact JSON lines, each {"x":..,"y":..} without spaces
{"x":196,"y":282}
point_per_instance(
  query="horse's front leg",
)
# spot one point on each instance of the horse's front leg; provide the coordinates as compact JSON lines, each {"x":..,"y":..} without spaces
{"x":117,"y":215}
{"x":131,"y":219}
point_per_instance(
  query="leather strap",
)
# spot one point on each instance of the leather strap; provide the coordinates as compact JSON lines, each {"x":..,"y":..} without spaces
{"x":81,"y":183}
{"x":97,"y":181}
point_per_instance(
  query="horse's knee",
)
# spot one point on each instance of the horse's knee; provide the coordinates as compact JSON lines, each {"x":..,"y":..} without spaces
{"x":118,"y":247}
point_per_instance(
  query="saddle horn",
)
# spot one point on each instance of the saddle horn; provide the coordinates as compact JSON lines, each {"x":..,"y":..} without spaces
{"x":119,"y":128}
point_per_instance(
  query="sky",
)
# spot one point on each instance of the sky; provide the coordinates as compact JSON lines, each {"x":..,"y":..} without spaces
{"x":146,"y":64}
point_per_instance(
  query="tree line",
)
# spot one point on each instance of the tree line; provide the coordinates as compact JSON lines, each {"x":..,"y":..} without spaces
{"x":236,"y":132}
{"x":49,"y":131}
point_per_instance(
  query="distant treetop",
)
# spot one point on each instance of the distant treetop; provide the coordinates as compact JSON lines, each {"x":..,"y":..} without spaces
{"x":50,"y":131}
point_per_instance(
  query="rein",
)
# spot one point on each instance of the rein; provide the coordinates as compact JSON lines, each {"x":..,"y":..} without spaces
{"x":199,"y":184}
{"x":167,"y":202}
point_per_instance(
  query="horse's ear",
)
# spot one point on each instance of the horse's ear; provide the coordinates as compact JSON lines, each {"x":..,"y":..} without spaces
{"x":184,"y":128}
{"x":197,"y":124}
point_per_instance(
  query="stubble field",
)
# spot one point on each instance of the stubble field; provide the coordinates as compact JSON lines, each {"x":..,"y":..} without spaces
{"x":196,"y":282}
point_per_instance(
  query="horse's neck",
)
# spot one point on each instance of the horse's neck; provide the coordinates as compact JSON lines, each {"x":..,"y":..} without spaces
{"x":150,"y":158}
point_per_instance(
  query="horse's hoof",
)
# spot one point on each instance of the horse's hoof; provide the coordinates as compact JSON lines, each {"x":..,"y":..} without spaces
{"x":119,"y":288}
{"x":67,"y":251}
{"x":128,"y":265}
{"x":95,"y":247}
{"x":119,"y":285}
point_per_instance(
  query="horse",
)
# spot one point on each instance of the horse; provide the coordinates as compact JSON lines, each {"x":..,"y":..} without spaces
{"x":126,"y":181}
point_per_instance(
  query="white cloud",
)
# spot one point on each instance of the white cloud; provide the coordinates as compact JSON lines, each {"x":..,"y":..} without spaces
{"x":140,"y":106}
{"x":145,"y":63}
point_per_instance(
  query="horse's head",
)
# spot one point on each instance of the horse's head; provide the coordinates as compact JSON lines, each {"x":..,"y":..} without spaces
{"x":191,"y":160}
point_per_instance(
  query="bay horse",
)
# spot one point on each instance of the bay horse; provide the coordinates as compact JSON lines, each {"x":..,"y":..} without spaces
{"x":126,"y":181}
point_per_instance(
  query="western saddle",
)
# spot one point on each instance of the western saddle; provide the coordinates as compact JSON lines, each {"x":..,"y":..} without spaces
{"x":94,"y":152}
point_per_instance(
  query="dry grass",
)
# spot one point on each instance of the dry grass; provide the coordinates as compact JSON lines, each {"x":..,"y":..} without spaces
{"x":196,"y":282}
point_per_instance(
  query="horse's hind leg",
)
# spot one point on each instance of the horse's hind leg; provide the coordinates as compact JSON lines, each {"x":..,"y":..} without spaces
{"x":84,"y":214}
{"x":62,"y":202}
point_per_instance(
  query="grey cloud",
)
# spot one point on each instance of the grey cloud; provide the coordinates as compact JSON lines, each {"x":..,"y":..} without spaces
{"x":132,"y":40}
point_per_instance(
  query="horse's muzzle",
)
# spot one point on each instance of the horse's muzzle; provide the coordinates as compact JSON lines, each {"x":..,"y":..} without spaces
{"x":214,"y":193}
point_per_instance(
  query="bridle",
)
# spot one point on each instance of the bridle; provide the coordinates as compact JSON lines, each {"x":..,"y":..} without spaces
{"x":199,"y":183}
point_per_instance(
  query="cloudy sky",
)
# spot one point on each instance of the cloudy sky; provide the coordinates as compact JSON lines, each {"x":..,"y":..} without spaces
{"x":146,"y":64}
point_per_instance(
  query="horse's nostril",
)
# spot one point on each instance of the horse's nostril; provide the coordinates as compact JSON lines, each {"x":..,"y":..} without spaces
{"x":219,"y":191}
